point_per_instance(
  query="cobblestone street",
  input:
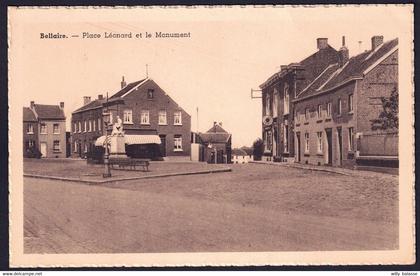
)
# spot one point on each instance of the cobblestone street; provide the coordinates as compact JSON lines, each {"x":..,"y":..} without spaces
{"x":253,"y":208}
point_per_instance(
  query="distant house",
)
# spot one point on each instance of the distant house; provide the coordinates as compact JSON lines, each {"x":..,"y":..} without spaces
{"x":217,"y":144}
{"x":155,"y":125}
{"x":239,"y":156}
{"x":44,"y":128}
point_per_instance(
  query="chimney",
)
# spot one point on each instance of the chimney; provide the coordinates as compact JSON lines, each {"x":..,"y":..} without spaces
{"x":100,"y":97}
{"x":32,"y":104}
{"x":220,"y":123}
{"x":283,"y":67}
{"x":123,"y":83}
{"x":343,"y":53}
{"x":86,"y":100}
{"x":62,"y":105}
{"x":376,"y":41}
{"x":322,"y":43}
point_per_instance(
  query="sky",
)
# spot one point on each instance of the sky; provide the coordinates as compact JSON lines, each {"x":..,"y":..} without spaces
{"x":231,"y":50}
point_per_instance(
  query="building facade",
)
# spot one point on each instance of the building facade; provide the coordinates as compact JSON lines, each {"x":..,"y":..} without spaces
{"x":145,"y":110}
{"x":45,"y":129}
{"x":334,"y":116}
{"x":279,"y":91}
{"x":217,"y":145}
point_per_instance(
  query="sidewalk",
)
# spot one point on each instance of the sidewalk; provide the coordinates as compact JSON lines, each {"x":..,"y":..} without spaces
{"x":337,"y":170}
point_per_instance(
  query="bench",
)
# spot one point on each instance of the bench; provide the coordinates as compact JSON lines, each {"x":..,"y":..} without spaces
{"x":129,"y":163}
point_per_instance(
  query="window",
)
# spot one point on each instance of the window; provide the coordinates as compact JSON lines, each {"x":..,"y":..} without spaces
{"x":31,"y":143}
{"x":85,"y":127}
{"x":144,"y":117}
{"x":128,"y":116}
{"x":43,"y":129}
{"x":150,"y":93}
{"x":319,"y":141}
{"x":339,"y":107}
{"x":177,"y":143}
{"x":351,"y":138}
{"x":177,"y":118}
{"x":285,"y":136}
{"x":307,"y":142}
{"x":74,"y":127}
{"x":99,"y":124}
{"x":306,"y":113}
{"x":75,"y":146}
{"x":275,"y":103}
{"x":30,"y":129}
{"x":56,"y":128}
{"x":328,"y":109}
{"x":267,"y":105}
{"x":162,"y":117}
{"x":90,"y":125}
{"x":319,"y":111}
{"x":80,"y":126}
{"x":286,"y":99}
{"x":297,"y":116}
{"x":350,"y":103}
{"x":56,"y":145}
{"x":94,"y":125}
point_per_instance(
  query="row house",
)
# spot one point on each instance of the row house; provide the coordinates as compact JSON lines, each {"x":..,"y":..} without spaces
{"x":278,"y":93}
{"x":154,"y":124}
{"x":44,"y":130}
{"x":335,"y":113}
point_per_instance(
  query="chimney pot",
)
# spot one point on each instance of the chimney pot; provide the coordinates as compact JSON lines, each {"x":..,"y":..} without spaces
{"x":376,"y":41}
{"x":100,"y":97}
{"x":61,"y":105}
{"x":86,"y":100}
{"x":322,"y":43}
{"x":283,"y":67}
{"x":343,"y":53}
{"x":32,"y":104}
{"x":123,"y":83}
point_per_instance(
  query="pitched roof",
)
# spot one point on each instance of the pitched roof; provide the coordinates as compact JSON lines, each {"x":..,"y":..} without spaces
{"x":127,"y":88}
{"x":28,"y":115}
{"x":216,"y":129}
{"x":45,"y":111}
{"x":214,"y":137}
{"x":312,"y":66}
{"x":92,"y":105}
{"x":335,"y":76}
{"x":239,"y":152}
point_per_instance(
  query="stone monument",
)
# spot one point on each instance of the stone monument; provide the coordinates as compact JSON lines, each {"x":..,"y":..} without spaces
{"x":117,"y":142}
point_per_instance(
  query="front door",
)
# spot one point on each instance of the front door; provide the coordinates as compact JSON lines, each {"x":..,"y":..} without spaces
{"x":44,"y":149}
{"x":163,"y":145}
{"x":340,"y":145}
{"x":329,"y":145}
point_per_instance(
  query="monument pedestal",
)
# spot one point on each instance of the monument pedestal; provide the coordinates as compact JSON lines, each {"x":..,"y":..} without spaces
{"x":117,"y":149}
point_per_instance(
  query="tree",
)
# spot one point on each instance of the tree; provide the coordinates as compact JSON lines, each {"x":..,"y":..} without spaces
{"x":388,"y":118}
{"x":258,"y":149}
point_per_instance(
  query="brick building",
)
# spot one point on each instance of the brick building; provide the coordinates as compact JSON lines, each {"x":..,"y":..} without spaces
{"x":280,"y":90}
{"x":44,"y":128}
{"x":334,"y":113}
{"x":154,"y":124}
{"x":217,"y":145}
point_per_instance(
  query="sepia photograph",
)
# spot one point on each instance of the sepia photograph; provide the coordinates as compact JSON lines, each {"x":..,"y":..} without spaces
{"x":219,"y":135}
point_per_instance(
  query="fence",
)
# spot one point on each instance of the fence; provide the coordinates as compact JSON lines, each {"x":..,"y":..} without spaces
{"x":378,"y":145}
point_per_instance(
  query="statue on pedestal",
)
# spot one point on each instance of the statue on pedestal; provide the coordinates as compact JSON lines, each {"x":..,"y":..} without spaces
{"x":117,"y":128}
{"x":117,"y":140}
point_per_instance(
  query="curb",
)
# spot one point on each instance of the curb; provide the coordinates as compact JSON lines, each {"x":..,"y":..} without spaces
{"x":126,"y":178}
{"x":300,"y":167}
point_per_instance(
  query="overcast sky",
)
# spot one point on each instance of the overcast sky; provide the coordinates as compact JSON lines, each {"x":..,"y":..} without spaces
{"x":230,"y":51}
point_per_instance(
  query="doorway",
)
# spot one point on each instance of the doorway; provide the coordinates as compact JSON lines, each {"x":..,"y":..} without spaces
{"x":44,"y":149}
{"x":329,"y":145}
{"x":340,"y":145}
{"x":162,"y":145}
{"x":298,"y":147}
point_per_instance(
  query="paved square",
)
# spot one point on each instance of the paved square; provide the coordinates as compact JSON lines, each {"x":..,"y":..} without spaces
{"x":253,"y":208}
